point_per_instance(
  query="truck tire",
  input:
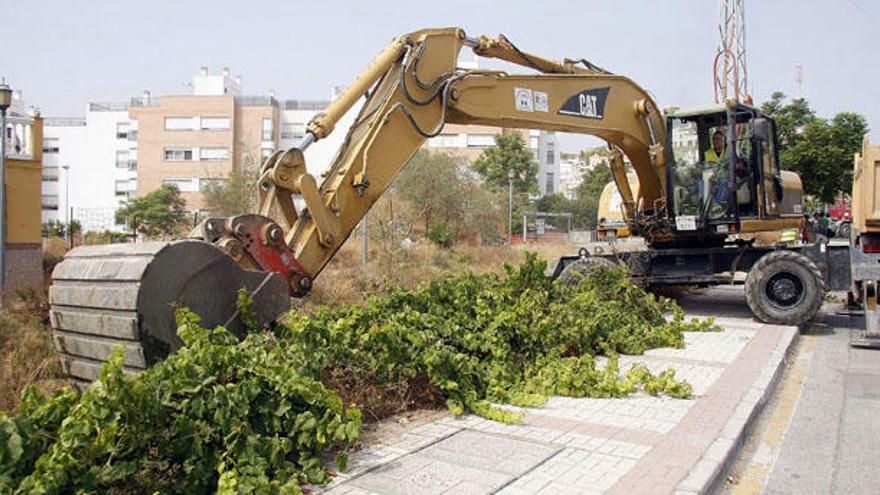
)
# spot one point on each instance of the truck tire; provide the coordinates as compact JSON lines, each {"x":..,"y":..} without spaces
{"x":584,"y":267}
{"x":784,"y":287}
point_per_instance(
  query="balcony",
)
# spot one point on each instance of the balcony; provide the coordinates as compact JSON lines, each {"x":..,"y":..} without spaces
{"x":109,"y":106}
{"x":50,"y":202}
{"x":140,"y":101}
{"x":18,"y":137}
{"x":256,"y":101}
{"x":50,"y":174}
{"x":64,"y":122}
{"x":305,"y":104}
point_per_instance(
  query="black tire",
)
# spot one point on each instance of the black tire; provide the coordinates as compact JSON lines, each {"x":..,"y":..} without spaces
{"x":784,"y":287}
{"x":584,"y":267}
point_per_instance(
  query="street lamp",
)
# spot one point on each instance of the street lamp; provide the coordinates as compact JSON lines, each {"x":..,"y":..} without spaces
{"x":67,"y":202}
{"x":5,"y":102}
{"x":510,"y":176}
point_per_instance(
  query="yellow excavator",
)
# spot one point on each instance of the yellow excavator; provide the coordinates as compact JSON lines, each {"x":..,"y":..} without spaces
{"x":689,"y":209}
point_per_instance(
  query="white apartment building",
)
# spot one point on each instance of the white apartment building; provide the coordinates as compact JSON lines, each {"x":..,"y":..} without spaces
{"x":91,"y":163}
{"x":545,"y":145}
{"x":572,"y":172}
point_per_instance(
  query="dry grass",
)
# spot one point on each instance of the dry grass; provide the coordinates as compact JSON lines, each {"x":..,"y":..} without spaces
{"x":344,"y":280}
{"x":27,"y":355}
{"x":54,"y":249}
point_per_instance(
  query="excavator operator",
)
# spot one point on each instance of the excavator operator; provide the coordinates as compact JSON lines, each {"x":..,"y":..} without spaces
{"x":716,"y":153}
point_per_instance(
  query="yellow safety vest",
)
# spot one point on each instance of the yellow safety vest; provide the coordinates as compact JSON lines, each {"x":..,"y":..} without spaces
{"x":711,"y":156}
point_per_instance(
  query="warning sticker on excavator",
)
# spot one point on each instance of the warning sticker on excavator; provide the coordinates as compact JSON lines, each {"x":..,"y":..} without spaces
{"x":686,"y":222}
{"x":542,"y":102}
{"x":523,"y":98}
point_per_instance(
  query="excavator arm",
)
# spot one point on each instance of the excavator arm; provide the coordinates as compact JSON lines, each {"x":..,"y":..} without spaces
{"x":413,"y":89}
{"x":124,"y":295}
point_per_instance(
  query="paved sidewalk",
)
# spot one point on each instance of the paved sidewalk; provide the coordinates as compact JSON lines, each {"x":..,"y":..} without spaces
{"x":640,"y":444}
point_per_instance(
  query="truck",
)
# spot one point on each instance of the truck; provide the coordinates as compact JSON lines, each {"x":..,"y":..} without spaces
{"x":864,"y":245}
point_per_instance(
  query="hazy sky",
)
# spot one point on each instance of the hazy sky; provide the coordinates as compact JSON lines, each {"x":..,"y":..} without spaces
{"x":63,"y":54}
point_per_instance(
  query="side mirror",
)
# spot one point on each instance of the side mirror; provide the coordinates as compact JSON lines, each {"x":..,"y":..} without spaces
{"x":761,"y":129}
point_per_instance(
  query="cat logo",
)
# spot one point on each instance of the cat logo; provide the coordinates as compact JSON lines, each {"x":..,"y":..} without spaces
{"x":588,"y":104}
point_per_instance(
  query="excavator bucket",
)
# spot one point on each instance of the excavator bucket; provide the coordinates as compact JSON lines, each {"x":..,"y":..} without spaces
{"x":125,"y":295}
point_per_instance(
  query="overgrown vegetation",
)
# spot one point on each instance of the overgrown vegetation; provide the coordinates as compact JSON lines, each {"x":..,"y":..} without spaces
{"x":263,"y":414}
{"x":27,"y":356}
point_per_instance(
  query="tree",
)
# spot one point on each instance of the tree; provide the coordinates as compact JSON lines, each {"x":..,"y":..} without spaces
{"x":510,"y":153}
{"x":234,"y":195}
{"x":159,"y":213}
{"x":238,"y":192}
{"x":556,"y":203}
{"x":432,"y":185}
{"x":588,"y":192}
{"x":819,"y":150}
{"x":442,"y":196}
{"x":791,"y":118}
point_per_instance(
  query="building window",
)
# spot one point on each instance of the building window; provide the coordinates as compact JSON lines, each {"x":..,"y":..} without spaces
{"x":265,"y":153}
{"x":178,"y":154}
{"x":50,"y":174}
{"x":206,"y":183}
{"x":50,"y":145}
{"x":293,"y":131}
{"x":550,"y":156}
{"x":122,"y":187}
{"x":183,"y":185}
{"x":214,"y":154}
{"x":178,"y":123}
{"x":480,"y":140}
{"x":122,"y":158}
{"x":215,"y":123}
{"x":268,"y":130}
{"x":549,"y":189}
{"x":123,"y":129}
{"x":444,"y":141}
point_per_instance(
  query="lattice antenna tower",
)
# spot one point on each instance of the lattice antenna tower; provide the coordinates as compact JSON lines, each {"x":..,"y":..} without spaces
{"x":800,"y":81}
{"x":731,"y":76}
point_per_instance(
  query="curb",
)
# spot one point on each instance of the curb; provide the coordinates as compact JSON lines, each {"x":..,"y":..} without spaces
{"x":710,"y":472}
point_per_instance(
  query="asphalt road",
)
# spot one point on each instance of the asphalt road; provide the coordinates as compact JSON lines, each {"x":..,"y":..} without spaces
{"x":820,"y":433}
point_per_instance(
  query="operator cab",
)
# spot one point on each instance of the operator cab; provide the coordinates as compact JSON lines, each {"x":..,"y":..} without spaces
{"x":722,"y":170}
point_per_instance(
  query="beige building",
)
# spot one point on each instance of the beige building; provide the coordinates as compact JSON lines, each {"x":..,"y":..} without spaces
{"x":191,"y":140}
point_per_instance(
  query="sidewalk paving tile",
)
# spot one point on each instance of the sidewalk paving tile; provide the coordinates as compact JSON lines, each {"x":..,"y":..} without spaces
{"x":638,"y":444}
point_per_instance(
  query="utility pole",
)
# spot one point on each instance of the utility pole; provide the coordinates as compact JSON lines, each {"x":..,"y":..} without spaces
{"x":800,"y":81}
{"x":510,"y":207}
{"x":5,"y":102}
{"x":366,"y":233}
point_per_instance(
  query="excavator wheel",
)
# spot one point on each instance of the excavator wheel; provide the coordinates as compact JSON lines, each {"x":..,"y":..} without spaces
{"x":575,"y":272}
{"x":124,"y":295}
{"x":784,"y":288}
